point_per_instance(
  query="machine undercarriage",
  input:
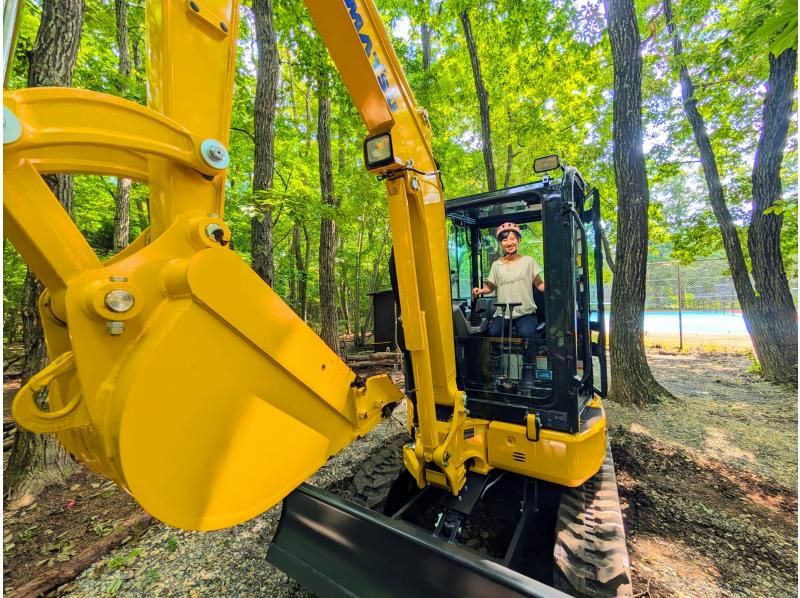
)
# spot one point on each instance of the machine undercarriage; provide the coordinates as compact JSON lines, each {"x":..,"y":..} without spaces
{"x":504,"y":535}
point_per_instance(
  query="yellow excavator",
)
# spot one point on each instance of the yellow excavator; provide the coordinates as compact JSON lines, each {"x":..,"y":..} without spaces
{"x":178,"y":373}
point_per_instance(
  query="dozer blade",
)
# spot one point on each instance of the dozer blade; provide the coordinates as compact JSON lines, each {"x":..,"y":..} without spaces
{"x":337,"y":548}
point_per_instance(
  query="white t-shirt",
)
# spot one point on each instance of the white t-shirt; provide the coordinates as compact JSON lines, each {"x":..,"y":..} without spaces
{"x":513,"y":282}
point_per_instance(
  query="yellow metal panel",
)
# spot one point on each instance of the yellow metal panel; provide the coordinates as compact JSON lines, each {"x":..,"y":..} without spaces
{"x":558,"y":457}
{"x":191,"y":63}
{"x":436,"y":478}
{"x":190,"y":70}
{"x":230,"y":421}
{"x":336,"y":27}
{"x":40,"y":229}
{"x":79,"y":122}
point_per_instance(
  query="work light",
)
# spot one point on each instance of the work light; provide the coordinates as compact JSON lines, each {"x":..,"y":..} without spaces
{"x":378,"y":151}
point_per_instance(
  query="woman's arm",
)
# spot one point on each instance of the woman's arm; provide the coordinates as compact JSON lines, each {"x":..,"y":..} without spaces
{"x":538,"y":282}
{"x":487,"y":287}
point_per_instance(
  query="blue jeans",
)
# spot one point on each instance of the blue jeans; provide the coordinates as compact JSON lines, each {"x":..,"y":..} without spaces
{"x":526,"y":328}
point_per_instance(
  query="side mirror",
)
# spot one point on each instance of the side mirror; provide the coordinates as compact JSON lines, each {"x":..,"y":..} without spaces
{"x":546,"y":163}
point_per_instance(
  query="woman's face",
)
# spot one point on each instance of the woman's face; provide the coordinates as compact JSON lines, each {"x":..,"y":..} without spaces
{"x":510,"y":243}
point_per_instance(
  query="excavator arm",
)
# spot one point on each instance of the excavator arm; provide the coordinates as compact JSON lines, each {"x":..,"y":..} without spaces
{"x":358,"y":44}
{"x":174,"y":370}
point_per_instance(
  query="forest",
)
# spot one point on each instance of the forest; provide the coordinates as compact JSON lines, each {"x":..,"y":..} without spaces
{"x":546,"y":75}
{"x":682,"y":114}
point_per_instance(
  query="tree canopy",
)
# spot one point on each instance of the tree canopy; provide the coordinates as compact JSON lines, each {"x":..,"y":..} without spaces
{"x":548,"y":74}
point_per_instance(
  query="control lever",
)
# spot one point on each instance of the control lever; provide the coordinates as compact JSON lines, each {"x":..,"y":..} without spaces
{"x":511,"y":307}
{"x":501,"y":378}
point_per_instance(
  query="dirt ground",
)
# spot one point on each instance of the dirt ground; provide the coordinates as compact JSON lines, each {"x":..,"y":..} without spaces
{"x":708,"y":484}
{"x":709,"y":481}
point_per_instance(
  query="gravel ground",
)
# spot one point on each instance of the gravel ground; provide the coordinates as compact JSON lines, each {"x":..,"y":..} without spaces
{"x":230,"y":562}
{"x":708,"y":484}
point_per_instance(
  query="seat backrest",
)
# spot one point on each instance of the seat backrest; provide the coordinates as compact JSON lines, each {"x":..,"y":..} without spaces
{"x":460,"y":324}
{"x":484,"y":307}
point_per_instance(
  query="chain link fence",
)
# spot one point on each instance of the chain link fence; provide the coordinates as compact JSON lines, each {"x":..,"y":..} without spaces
{"x":692,"y":304}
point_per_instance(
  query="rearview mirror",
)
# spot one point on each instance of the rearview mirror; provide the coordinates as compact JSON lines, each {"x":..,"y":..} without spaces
{"x":546,"y":163}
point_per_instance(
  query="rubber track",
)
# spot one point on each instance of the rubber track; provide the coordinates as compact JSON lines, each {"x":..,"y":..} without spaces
{"x":373,"y":481}
{"x":591,"y":557}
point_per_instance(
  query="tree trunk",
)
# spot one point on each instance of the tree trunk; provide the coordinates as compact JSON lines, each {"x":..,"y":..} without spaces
{"x":39,"y":460}
{"x":357,"y":336}
{"x":423,"y":90}
{"x":122,"y":198}
{"x":293,"y":270}
{"x":376,"y":277}
{"x":483,"y":102}
{"x":137,"y":54}
{"x":264,"y":125}
{"x":509,"y":162}
{"x":775,"y":318}
{"x":509,"y":148}
{"x":344,"y":291}
{"x":425,"y":34}
{"x":768,"y":310}
{"x":121,"y":10}
{"x":303,"y":287}
{"x":609,"y":255}
{"x":631,"y":379}
{"x":327,"y":235}
{"x":344,"y":300}
{"x":301,"y":274}
{"x":10,"y":326}
{"x":143,"y":211}
{"x":122,"y":214}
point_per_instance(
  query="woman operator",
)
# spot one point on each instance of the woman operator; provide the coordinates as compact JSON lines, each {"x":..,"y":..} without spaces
{"x":513,"y":277}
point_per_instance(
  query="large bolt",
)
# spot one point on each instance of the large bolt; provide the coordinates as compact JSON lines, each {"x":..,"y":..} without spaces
{"x":415,"y":184}
{"x":216,"y":233}
{"x":215,"y":154}
{"x":119,"y":301}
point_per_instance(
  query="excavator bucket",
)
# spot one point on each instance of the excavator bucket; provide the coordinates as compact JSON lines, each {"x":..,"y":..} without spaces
{"x":204,"y":407}
{"x":337,"y":548}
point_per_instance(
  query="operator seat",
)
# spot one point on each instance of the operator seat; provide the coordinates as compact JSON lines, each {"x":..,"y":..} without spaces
{"x":463,"y":327}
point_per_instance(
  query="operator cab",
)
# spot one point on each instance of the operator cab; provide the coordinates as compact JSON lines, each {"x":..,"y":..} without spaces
{"x":555,"y":374}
